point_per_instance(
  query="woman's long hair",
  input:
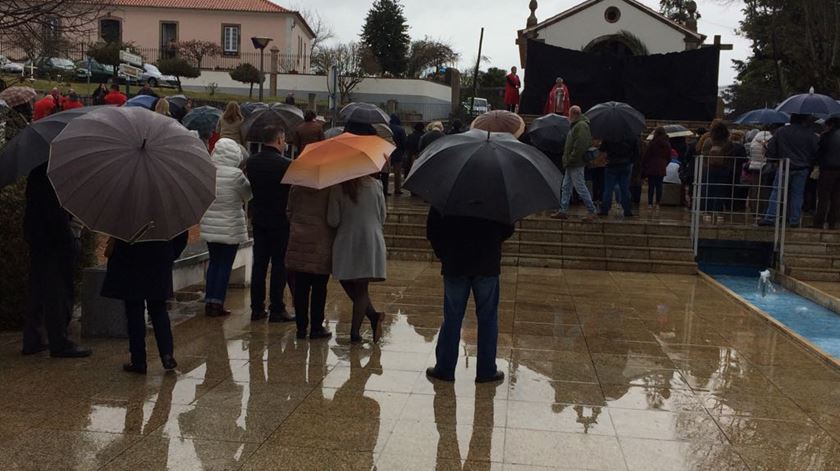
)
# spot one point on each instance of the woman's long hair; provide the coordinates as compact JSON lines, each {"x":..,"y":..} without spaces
{"x":162,"y":107}
{"x":351,"y":188}
{"x":232,"y":112}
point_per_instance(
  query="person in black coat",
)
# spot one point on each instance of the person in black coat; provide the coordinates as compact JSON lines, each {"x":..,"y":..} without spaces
{"x":470,"y":251}
{"x":399,"y":154}
{"x":53,"y":249}
{"x":140,"y":274}
{"x":265,"y":171}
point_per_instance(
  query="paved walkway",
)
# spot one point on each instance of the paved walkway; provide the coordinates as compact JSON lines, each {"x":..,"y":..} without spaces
{"x":605,"y":371}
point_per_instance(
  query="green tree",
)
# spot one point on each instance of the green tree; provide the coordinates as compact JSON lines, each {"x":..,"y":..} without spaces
{"x":427,"y":54}
{"x":247,"y":73}
{"x":385,"y":34}
{"x":179,"y":68}
{"x":494,"y":77}
{"x":109,"y":53}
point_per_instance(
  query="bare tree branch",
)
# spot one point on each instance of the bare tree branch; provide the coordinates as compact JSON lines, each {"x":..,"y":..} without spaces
{"x":74,"y":15}
{"x":323,"y":29}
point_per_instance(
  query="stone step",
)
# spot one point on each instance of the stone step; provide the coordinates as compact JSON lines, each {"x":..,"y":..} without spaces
{"x":818,"y":248}
{"x":813,"y":274}
{"x":806,"y":262}
{"x":567,"y":262}
{"x":812,"y":236}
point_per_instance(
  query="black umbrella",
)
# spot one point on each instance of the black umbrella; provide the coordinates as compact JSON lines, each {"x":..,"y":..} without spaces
{"x":485,"y":175}
{"x":363,"y":113}
{"x":615,"y":121}
{"x":548,"y":133}
{"x":286,"y":116}
{"x":248,"y":108}
{"x":31,"y":147}
{"x":810,"y":103}
{"x":177,"y":106}
{"x":203,"y":119}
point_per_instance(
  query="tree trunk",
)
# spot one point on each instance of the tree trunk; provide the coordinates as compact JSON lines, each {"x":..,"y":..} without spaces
{"x":251,"y":91}
{"x":178,"y":79}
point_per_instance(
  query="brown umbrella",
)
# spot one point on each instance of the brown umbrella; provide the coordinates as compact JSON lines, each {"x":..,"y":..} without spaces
{"x":500,"y":121}
{"x":14,"y":96}
{"x":132,"y":174}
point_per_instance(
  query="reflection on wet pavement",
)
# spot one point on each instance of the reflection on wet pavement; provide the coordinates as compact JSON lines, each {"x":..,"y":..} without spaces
{"x":605,"y":371}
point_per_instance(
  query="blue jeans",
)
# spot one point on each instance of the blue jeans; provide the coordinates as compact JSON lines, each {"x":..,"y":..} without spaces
{"x":796,"y":195}
{"x":218,"y":271}
{"x":617,"y":176}
{"x":574,"y":176}
{"x":456,"y":292}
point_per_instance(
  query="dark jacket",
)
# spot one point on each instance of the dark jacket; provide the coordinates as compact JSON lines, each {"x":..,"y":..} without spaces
{"x":307,"y":133}
{"x":142,"y":270}
{"x":399,"y":140}
{"x":412,"y":144}
{"x":621,"y":153}
{"x":429,"y":138}
{"x":467,"y":246}
{"x":265,"y":170}
{"x":578,"y":142}
{"x":656,"y":158}
{"x":148,"y":92}
{"x":46,"y":225}
{"x":795,"y":142}
{"x":829,"y":150}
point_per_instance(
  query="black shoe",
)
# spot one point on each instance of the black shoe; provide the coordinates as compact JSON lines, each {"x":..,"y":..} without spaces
{"x":766,"y":223}
{"x":35,"y":350}
{"x":356,"y":339}
{"x":499,"y":376}
{"x":73,"y":351}
{"x":282,"y":316}
{"x":300,"y":334}
{"x":376,"y":326}
{"x":258,"y":315}
{"x":432,"y":372}
{"x":215,"y":310}
{"x":322,"y":333}
{"x":139,"y":368}
{"x":168,"y":362}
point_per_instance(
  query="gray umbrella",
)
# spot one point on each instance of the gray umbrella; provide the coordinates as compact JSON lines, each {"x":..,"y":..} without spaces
{"x":332,"y":132}
{"x":615,"y":121}
{"x":363,"y":113}
{"x":286,"y":116}
{"x":178,"y":106}
{"x":132,"y":174}
{"x":202,"y":119}
{"x":31,"y":146}
{"x":248,"y":108}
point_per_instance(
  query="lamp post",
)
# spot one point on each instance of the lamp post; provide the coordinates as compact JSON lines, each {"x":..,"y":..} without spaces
{"x":261,"y":42}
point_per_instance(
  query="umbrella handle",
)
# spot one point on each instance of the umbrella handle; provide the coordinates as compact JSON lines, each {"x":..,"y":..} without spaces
{"x":143,"y":230}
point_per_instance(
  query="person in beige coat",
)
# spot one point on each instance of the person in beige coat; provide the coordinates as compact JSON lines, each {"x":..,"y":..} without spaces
{"x":231,"y":122}
{"x":309,"y":257}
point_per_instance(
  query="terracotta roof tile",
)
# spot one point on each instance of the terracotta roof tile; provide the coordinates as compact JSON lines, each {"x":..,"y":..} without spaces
{"x":262,"y":6}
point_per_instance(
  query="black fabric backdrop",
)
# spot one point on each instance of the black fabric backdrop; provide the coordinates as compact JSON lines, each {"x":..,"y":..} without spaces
{"x":675,"y":86}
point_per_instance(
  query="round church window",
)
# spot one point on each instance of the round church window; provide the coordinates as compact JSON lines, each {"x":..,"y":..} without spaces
{"x":612,"y":15}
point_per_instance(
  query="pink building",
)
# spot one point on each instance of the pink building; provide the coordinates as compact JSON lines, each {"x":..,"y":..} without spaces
{"x":154,"y":25}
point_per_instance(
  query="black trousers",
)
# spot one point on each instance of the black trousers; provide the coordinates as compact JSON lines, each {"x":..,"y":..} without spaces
{"x":828,"y":200}
{"x":269,"y":248}
{"x":310,"y":299}
{"x":134,"y":313}
{"x":50,"y":297}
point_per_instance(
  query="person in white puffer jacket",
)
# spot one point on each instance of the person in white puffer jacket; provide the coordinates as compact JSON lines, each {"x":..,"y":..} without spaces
{"x":224,"y":225}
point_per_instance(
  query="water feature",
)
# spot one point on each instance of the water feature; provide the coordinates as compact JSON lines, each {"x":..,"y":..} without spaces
{"x":819,"y":325}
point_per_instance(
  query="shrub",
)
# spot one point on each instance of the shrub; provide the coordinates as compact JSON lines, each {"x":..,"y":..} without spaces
{"x":179,"y":68}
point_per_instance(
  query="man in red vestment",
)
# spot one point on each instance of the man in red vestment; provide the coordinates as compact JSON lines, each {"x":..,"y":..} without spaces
{"x":512,"y":85}
{"x":558,"y":100}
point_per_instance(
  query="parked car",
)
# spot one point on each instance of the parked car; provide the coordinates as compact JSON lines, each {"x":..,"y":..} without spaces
{"x":3,"y":60}
{"x":481,"y":106}
{"x":54,"y":66}
{"x":12,"y":68}
{"x":152,"y":75}
{"x":97,"y":73}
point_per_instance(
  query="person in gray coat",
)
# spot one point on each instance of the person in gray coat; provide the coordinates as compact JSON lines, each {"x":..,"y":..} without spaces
{"x":356,"y":209}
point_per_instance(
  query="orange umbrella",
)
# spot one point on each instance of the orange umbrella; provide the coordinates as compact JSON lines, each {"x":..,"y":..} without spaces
{"x":342,"y":158}
{"x":500,"y":121}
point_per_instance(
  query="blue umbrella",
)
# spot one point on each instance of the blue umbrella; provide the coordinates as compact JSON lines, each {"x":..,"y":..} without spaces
{"x":810,"y":103}
{"x":763,"y":116}
{"x":202,"y":119}
{"x":143,"y":101}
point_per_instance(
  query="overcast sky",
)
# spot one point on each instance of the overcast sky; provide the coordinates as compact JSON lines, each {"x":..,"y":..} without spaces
{"x":460,"y":22}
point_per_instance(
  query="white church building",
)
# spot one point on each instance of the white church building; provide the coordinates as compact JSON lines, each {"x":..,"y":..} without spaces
{"x":624,"y":27}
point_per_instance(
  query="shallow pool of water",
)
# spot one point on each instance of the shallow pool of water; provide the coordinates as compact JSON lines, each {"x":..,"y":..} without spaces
{"x":819,"y":325}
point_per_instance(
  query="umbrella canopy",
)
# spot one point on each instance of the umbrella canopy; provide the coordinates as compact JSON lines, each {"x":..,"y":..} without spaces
{"x":807,"y":103}
{"x":485,"y":175}
{"x":548,"y":133}
{"x":339,"y":159}
{"x":286,"y":116}
{"x":132,"y":174}
{"x":363,"y":113}
{"x":674,"y":130}
{"x":248,"y":109}
{"x":178,"y":106}
{"x":615,"y":121}
{"x":143,"y":101}
{"x":31,"y":146}
{"x":763,"y":116}
{"x":14,"y":96}
{"x":332,"y":132}
{"x":500,"y":121}
{"x":202,"y":119}
{"x":3,"y":104}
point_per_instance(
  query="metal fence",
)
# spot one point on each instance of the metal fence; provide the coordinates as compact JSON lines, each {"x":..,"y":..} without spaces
{"x":725,"y":192}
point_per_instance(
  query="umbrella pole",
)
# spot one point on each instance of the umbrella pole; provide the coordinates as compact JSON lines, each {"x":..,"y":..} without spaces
{"x":475,"y":73}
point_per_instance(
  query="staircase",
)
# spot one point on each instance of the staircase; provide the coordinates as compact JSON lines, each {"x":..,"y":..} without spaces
{"x":813,"y":255}
{"x":634,"y":246}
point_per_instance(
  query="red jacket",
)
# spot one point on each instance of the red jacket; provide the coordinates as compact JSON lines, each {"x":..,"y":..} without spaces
{"x":115,"y":98}
{"x":43,"y":108}
{"x":70,"y":104}
{"x":656,"y":159}
{"x":512,"y":85}
{"x":552,"y":96}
